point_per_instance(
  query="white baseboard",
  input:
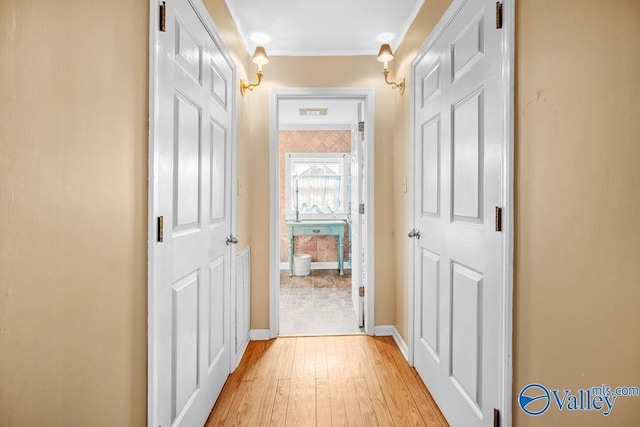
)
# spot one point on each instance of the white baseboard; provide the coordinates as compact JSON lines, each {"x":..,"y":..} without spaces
{"x":319,"y":266}
{"x":404,"y":349}
{"x":259,"y":334}
{"x":240,"y":353}
{"x":383,"y":330}
{"x":391,"y":331}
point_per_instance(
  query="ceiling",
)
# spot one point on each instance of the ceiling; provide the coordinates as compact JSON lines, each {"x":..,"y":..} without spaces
{"x":340,"y":114}
{"x":322,"y":27}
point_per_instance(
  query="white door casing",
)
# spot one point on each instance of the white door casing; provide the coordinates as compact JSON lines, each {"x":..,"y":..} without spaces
{"x":461,"y":173}
{"x":356,"y":170}
{"x":367,"y":220}
{"x":190,"y":270}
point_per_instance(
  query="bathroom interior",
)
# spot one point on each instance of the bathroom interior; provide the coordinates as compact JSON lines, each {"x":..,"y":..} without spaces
{"x":315,"y":139}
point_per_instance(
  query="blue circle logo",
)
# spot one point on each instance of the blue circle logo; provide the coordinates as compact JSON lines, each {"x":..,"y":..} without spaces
{"x":534,"y":399}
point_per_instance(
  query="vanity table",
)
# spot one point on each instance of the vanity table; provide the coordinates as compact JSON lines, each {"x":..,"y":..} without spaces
{"x":317,"y":228}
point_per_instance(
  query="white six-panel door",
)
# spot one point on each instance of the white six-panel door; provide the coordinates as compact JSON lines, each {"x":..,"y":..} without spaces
{"x":458,"y":149}
{"x":190,"y":299}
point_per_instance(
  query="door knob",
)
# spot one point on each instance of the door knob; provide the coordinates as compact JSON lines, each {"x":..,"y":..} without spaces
{"x":414,"y":233}
{"x":232,"y":239}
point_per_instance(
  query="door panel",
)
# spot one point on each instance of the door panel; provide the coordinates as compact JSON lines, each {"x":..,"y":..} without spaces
{"x":458,"y":145}
{"x":185,"y":351}
{"x":191,"y":273}
{"x":466,"y":141}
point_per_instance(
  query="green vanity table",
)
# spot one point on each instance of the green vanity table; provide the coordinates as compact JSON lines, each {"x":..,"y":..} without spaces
{"x":317,"y":228}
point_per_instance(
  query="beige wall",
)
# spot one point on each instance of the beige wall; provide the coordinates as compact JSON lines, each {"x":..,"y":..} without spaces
{"x":321,"y":248}
{"x":73,"y":213}
{"x":323,"y":72}
{"x":577,"y":258}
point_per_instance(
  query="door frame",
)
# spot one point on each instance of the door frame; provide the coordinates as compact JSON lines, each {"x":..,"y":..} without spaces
{"x":154,"y":119}
{"x":367,"y":95}
{"x":508,"y":72}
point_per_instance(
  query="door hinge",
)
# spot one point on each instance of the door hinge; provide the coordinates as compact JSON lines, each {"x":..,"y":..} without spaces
{"x":361,"y":291}
{"x":160,"y":229}
{"x":498,"y":220}
{"x":496,"y":418}
{"x":361,"y":209}
{"x":361,"y":126}
{"x":163,"y":16}
{"x":498,"y":15}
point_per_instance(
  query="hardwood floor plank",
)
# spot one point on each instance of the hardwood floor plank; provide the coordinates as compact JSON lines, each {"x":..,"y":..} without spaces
{"x":230,"y":388}
{"x":323,"y":403}
{"x":321,"y":357}
{"x":423,"y":399}
{"x":301,"y":410}
{"x":298,"y":366}
{"x":254,"y":363}
{"x":431,"y":401}
{"x":338,"y":411}
{"x":342,"y":359}
{"x":356,"y":362}
{"x":309,"y":370}
{"x":332,"y":357}
{"x":381,"y":409}
{"x":351,"y":402}
{"x":401,"y":406}
{"x":234,"y":413}
{"x":285,"y":364}
{"x":365,"y":403}
{"x":279,"y":412}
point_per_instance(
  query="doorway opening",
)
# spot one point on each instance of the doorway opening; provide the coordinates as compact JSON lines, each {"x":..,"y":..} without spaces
{"x":321,"y":146}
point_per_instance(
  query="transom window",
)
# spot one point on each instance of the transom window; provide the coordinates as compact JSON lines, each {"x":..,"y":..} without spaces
{"x":316,"y":185}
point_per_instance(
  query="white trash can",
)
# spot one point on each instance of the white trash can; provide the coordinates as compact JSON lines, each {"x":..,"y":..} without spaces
{"x":301,"y":264}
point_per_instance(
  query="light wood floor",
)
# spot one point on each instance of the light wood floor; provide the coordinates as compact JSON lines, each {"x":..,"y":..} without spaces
{"x":334,"y":380}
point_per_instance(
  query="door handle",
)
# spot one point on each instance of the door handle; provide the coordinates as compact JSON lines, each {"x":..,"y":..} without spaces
{"x":414,"y":233}
{"x":232,"y":239}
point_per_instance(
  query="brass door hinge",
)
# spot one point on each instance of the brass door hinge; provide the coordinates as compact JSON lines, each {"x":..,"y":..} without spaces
{"x":361,"y":126}
{"x":498,"y":15}
{"x":498,"y":219}
{"x":160,"y":229}
{"x":163,"y":17}
{"x":361,"y":291}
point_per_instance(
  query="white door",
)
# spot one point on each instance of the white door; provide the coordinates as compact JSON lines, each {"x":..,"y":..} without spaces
{"x":357,"y":162}
{"x":190,"y":289}
{"x":458,"y":136}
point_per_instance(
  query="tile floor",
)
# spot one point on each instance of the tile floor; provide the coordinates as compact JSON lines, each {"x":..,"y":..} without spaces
{"x":318,"y":304}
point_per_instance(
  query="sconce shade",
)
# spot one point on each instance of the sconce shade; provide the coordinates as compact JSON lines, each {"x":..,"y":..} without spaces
{"x":385,"y":55}
{"x":260,"y":56}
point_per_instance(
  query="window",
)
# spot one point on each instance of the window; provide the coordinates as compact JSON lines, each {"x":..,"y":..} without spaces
{"x":316,"y":185}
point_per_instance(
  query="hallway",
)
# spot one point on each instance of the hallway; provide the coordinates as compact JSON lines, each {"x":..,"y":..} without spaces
{"x":341,"y":380}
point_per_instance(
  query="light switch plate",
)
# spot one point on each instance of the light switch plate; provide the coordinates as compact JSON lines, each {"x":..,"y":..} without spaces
{"x":404,"y":184}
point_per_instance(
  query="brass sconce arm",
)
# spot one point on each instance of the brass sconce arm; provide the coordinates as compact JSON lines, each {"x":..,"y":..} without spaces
{"x":394,"y":85}
{"x":245,"y":85}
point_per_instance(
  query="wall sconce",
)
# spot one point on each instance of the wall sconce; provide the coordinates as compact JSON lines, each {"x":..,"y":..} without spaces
{"x":386,"y":55}
{"x":259,"y":57}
